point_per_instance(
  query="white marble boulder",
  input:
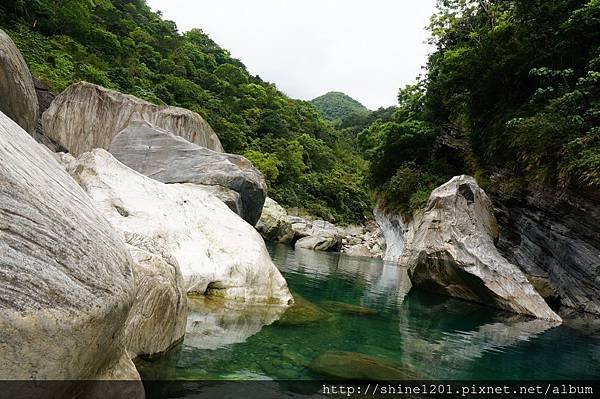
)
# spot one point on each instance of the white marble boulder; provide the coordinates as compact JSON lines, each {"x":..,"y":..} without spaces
{"x":219,"y":254}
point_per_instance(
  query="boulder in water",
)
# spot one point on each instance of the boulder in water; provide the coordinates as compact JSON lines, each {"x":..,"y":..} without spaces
{"x":360,"y":367}
{"x":18,"y":100}
{"x":86,"y":116}
{"x":302,"y":312}
{"x":320,"y":242}
{"x":161,"y":155}
{"x":347,"y":308}
{"x":219,"y":254}
{"x":451,"y":251}
{"x":158,"y":317}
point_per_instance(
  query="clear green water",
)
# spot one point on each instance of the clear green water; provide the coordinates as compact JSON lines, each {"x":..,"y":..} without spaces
{"x":434,"y":337}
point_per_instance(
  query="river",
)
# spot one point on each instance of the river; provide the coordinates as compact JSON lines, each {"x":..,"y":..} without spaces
{"x":433,"y":337}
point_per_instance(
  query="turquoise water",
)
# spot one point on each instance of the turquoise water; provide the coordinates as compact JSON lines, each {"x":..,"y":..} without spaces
{"x":424,"y":335}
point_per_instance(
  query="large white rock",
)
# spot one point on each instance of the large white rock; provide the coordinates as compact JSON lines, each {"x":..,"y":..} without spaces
{"x":219,"y":254}
{"x":67,"y":282}
{"x":86,"y":116}
{"x":450,"y":250}
{"x":17,"y":93}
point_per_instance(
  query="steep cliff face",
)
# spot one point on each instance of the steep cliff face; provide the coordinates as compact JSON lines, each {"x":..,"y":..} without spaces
{"x":556,"y":239}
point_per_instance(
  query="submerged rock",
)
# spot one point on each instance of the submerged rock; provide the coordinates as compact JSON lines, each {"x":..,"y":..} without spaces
{"x":273,"y":224}
{"x":67,"y":282}
{"x":358,"y":366}
{"x":161,"y":155}
{"x":302,"y":312}
{"x":86,"y":116}
{"x":341,"y":307}
{"x":219,"y":254}
{"x":18,"y":100}
{"x":451,"y":251}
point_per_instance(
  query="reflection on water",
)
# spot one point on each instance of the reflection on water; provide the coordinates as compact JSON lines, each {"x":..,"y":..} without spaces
{"x":216,"y":323}
{"x":363,"y":305}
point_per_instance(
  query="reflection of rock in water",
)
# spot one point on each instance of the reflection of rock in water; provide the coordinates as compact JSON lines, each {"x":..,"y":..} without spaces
{"x":387,"y":282}
{"x":214,"y":323}
{"x":452,"y":348}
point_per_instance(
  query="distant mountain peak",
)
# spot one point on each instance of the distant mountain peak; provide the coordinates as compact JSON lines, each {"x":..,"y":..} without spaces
{"x":337,"y":105}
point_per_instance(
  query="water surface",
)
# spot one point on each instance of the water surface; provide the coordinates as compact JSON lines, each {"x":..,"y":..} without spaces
{"x":432,"y":336}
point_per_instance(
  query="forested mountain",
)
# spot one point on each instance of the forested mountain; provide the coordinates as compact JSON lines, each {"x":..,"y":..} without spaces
{"x":123,"y":45}
{"x":513,"y":88}
{"x":335,"y":105}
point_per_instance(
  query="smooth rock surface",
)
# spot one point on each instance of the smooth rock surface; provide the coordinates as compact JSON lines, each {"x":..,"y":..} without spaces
{"x":320,"y":242}
{"x":273,"y":224}
{"x":219,"y":254}
{"x":18,"y":100}
{"x":67,"y":277}
{"x":158,"y":317}
{"x":227,"y":196}
{"x":161,"y":155}
{"x":316,"y":235}
{"x":451,"y":251}
{"x":86,"y":116}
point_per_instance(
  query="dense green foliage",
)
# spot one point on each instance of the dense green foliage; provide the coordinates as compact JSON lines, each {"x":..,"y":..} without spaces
{"x":336,"y":106}
{"x":518,"y":82}
{"x":123,"y":45}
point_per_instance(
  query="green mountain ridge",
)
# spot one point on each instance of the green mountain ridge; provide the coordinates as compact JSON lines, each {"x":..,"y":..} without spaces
{"x":336,"y":105}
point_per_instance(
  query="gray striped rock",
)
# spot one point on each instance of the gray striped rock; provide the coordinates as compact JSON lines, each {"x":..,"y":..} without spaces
{"x":18,"y":100}
{"x":67,"y":282}
{"x":165,"y":157}
{"x":86,"y":116}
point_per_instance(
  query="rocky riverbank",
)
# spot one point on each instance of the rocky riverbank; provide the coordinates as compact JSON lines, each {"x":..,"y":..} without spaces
{"x":277,"y":225}
{"x":99,"y":259}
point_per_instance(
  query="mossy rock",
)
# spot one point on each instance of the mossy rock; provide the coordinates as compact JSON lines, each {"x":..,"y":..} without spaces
{"x":346,"y":308}
{"x":359,"y":366}
{"x":302,"y":312}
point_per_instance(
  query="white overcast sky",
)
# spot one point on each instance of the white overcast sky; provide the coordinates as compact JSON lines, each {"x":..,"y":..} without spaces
{"x":367,"y":49}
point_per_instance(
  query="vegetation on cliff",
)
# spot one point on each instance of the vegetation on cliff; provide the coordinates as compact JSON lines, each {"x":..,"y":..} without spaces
{"x":513,"y":85}
{"x":123,"y":45}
